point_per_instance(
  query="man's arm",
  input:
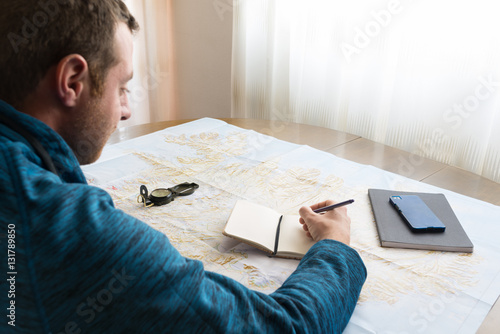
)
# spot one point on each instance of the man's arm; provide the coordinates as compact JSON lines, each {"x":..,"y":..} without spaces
{"x":101,"y":270}
{"x":319,"y":297}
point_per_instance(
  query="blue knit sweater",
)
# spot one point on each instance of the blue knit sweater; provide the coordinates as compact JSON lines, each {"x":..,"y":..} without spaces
{"x":73,"y":263}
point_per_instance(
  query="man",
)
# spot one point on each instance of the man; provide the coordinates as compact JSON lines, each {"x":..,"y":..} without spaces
{"x":76,"y":264}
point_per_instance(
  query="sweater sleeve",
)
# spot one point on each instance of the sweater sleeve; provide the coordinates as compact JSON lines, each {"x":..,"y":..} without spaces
{"x":319,"y":297}
{"x":100,"y":270}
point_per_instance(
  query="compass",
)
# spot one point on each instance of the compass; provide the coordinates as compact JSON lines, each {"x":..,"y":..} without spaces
{"x":162,"y":196}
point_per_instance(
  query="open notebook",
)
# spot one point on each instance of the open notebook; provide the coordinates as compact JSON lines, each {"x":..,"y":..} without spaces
{"x":263,"y":228}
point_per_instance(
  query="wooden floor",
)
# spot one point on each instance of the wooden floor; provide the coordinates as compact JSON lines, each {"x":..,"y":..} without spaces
{"x":362,"y":151}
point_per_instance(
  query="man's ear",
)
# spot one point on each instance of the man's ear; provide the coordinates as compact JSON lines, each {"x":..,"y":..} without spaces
{"x":72,"y":77}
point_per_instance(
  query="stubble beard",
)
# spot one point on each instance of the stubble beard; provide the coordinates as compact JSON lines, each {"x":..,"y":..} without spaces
{"x":90,"y":132}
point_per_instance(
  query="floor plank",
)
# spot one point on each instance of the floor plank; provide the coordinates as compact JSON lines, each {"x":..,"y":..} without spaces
{"x":368,"y":152}
{"x":466,"y":183}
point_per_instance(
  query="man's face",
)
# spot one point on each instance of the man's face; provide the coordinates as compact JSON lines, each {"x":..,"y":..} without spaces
{"x":100,"y":116}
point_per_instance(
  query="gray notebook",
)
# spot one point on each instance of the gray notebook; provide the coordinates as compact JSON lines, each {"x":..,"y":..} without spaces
{"x":394,"y":232}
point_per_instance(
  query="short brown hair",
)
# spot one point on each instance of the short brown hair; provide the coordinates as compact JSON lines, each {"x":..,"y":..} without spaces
{"x":36,"y":34}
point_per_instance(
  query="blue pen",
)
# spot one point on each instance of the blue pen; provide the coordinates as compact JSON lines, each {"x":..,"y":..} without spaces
{"x":334,"y":206}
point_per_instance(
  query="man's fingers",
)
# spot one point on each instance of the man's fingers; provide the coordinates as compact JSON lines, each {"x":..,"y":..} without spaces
{"x":305,"y":212}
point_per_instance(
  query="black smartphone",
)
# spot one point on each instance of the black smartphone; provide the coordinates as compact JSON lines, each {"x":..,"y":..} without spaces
{"x":417,"y":214}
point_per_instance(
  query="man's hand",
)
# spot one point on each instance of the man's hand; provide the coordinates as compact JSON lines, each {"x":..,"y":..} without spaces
{"x":334,"y":224}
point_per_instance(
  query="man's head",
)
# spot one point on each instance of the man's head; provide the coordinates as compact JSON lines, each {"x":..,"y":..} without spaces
{"x":71,"y":59}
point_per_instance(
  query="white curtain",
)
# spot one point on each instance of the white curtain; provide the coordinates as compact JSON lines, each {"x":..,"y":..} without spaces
{"x":422,"y":76}
{"x":151,"y":89}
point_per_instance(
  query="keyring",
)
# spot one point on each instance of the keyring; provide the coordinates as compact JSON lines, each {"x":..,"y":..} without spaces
{"x":162,"y":196}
